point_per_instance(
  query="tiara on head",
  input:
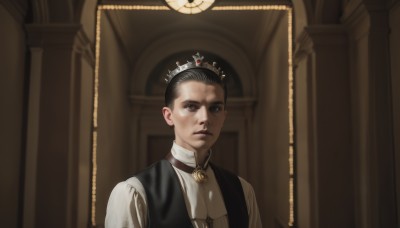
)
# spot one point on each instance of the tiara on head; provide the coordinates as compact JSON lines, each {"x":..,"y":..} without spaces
{"x":197,"y":63}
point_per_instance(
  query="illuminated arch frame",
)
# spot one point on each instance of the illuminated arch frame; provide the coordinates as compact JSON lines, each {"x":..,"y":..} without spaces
{"x":292,"y":180}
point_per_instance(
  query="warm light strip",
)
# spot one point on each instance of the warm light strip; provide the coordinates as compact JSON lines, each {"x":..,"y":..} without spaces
{"x":291,"y":187}
{"x":290,"y":73}
{"x":291,"y":119}
{"x":216,"y":8}
{"x":95,"y":121}
{"x":96,"y":70}
{"x":94,"y":176}
{"x":131,"y":7}
{"x":254,"y":7}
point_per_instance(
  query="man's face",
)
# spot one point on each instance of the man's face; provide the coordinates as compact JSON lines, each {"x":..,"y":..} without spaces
{"x":197,"y":116}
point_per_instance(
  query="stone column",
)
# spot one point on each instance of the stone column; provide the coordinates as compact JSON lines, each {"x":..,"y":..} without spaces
{"x":58,"y":158}
{"x":325,"y":186}
{"x":380,"y":152}
{"x":372,"y":120}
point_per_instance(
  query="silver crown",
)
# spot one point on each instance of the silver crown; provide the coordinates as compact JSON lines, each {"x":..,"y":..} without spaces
{"x":197,"y":63}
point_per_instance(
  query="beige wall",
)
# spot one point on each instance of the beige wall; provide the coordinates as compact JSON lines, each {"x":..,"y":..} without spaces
{"x":84,"y":142}
{"x":271,"y":137}
{"x":12,"y":103}
{"x":114,"y":124}
{"x":303,"y":147}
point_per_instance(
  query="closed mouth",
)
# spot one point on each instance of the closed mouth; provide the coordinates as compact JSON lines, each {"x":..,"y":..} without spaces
{"x":203,"y":132}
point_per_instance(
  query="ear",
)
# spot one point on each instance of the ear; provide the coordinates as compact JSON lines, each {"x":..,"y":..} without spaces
{"x":167,"y":113}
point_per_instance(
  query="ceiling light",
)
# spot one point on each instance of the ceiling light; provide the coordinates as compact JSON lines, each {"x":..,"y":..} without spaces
{"x":189,"y":6}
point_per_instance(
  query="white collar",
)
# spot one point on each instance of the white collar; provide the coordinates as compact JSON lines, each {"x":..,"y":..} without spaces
{"x":184,"y":155}
{"x":187,"y":156}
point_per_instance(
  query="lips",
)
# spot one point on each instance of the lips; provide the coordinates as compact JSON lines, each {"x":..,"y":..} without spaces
{"x":203,"y":132}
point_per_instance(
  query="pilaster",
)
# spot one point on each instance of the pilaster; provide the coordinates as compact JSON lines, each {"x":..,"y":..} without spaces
{"x":58,"y":126}
{"x":381,"y":152}
{"x":302,"y":72}
{"x":328,"y":111}
{"x":372,"y":117}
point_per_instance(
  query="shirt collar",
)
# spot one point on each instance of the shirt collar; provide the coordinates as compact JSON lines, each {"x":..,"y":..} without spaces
{"x":187,"y":156}
{"x":183,"y":155}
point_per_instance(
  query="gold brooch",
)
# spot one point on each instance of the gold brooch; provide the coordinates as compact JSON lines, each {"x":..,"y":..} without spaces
{"x":199,"y":175}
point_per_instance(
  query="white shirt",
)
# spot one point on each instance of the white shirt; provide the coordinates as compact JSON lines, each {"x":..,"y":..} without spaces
{"x":127,"y":205}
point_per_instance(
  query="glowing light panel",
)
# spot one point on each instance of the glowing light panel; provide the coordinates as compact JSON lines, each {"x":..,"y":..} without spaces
{"x":190,"y":6}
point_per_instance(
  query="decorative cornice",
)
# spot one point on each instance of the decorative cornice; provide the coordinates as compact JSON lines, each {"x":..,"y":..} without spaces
{"x":85,"y":47}
{"x":303,"y":47}
{"x":16,"y":8}
{"x":327,"y":34}
{"x":356,"y":20}
{"x":315,"y":35}
{"x":52,"y":34}
{"x":69,"y":36}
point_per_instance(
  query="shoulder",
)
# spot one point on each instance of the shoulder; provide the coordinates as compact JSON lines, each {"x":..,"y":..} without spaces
{"x":128,"y":190}
{"x":131,"y":184}
{"x":151,"y":170}
{"x":247,"y":187}
{"x":251,"y":201}
{"x":127,"y":206}
{"x":135,"y":185}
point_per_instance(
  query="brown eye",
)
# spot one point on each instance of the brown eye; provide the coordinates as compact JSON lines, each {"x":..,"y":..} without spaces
{"x":215,"y":108}
{"x":191,"y":107}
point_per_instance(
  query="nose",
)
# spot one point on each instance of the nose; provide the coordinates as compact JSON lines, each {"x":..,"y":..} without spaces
{"x":203,"y":116}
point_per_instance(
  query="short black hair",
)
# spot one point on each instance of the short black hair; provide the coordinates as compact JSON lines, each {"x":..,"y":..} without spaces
{"x":194,"y":74}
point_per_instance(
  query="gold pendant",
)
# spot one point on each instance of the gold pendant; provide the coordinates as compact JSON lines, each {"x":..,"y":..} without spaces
{"x":200,"y":175}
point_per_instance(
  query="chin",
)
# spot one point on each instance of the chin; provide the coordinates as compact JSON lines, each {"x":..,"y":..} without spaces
{"x":203,"y":146}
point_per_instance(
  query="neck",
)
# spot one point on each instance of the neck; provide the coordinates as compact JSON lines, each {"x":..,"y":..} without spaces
{"x":202,"y":156}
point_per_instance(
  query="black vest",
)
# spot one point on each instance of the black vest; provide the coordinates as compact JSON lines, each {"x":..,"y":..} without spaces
{"x":166,"y":204}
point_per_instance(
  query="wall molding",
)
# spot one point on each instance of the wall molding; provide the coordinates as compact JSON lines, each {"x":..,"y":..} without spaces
{"x":303,"y":48}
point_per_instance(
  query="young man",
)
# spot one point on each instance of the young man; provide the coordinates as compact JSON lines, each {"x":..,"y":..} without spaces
{"x":185,"y":189}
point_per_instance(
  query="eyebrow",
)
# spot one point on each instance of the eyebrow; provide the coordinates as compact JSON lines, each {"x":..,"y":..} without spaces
{"x":196,"y":102}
